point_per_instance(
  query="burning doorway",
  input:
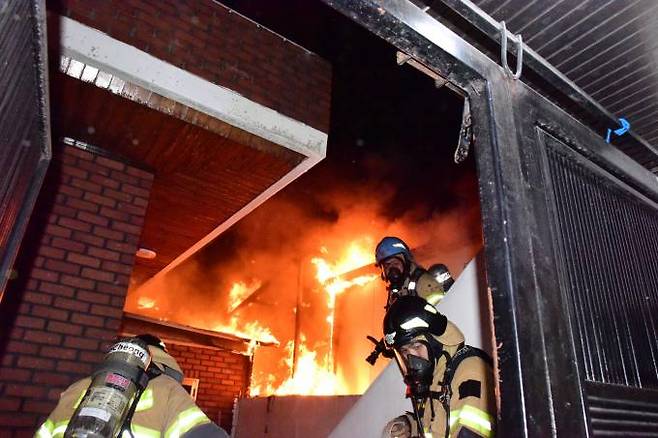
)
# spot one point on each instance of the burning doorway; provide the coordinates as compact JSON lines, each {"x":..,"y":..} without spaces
{"x":299,"y":269}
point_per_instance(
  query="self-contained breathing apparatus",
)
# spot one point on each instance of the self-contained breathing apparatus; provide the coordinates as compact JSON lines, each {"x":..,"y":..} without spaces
{"x":107,"y":406}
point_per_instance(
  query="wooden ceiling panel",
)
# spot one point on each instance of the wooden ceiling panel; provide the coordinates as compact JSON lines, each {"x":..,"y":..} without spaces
{"x":201,"y":178}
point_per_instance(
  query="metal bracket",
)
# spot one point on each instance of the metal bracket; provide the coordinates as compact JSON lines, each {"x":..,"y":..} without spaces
{"x":465,"y":133}
{"x":503,"y":51}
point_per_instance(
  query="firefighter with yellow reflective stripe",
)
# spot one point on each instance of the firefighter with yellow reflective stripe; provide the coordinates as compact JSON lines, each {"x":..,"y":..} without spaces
{"x":450,"y":384}
{"x":164,"y":408}
{"x":403,"y":276}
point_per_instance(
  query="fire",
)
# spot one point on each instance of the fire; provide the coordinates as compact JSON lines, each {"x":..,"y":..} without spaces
{"x":251,"y":330}
{"x":146,"y":303}
{"x":240,"y":291}
{"x":312,"y":373}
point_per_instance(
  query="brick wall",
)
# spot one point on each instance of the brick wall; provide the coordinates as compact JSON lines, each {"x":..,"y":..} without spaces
{"x":73,"y":271}
{"x":209,"y":40}
{"x":222,"y":375}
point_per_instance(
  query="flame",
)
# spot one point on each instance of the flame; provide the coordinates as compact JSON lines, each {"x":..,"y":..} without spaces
{"x":251,"y":330}
{"x":312,"y":373}
{"x":146,"y":303}
{"x":240,"y":291}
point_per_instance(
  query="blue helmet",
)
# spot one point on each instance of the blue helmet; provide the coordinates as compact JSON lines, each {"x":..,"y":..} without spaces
{"x":390,"y":246}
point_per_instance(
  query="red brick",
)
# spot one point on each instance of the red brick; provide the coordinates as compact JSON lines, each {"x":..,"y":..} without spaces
{"x":65,"y":303}
{"x":54,"y":379}
{"x":127,"y":259}
{"x":94,"y":168}
{"x":50,"y":252}
{"x":108,"y":234}
{"x":118,"y":268}
{"x":74,"y":224}
{"x":17,"y":419}
{"x":113,"y":312}
{"x":130,"y":208}
{"x":139,"y":173}
{"x":79,"y":153}
{"x":93,"y":357}
{"x":113,"y":323}
{"x":119,"y":196}
{"x":61,"y":210}
{"x":14,"y":374}
{"x":42,"y":274}
{"x":111,"y":289}
{"x":99,"y":199}
{"x":127,"y":228}
{"x":37,"y":298}
{"x":103,"y":254}
{"x":141,"y":202}
{"x":56,"y":289}
{"x":58,"y":353}
{"x":71,"y":192}
{"x":123,"y":247}
{"x":118,"y":301}
{"x":62,"y":266}
{"x":79,"y":204}
{"x":137,"y":191}
{"x":93,"y":218}
{"x":88,"y":320}
{"x":64,"y":327}
{"x":38,"y":407}
{"x":76,"y":367}
{"x":91,"y":239}
{"x":9,"y":404}
{"x":87,"y":186}
{"x":74,"y":171}
{"x":50,"y":312}
{"x":112,"y":164}
{"x":92,"y":297}
{"x":101,"y":334}
{"x":32,"y":363}
{"x":20,"y":347}
{"x":68,"y":245}
{"x":29,"y":322}
{"x":42,"y":337}
{"x":115,"y":214}
{"x":83,"y":260}
{"x":105,"y":181}
{"x":98,"y":275}
{"x":77,"y":282}
{"x":124,"y":177}
{"x":81,"y":343}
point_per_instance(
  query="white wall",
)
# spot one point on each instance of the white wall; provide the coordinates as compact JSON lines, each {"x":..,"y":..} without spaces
{"x":465,"y":305}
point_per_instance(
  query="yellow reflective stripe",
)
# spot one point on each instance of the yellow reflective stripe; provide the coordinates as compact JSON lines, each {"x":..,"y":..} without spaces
{"x":145,"y":401}
{"x":141,"y":432}
{"x":46,"y":430}
{"x":433,"y":299}
{"x":185,"y":421}
{"x":428,"y":434}
{"x":60,"y":428}
{"x":77,"y":403}
{"x":473,"y":418}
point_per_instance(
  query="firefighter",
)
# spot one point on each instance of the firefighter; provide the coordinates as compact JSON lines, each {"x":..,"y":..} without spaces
{"x":164,"y":409}
{"x":450,"y":384}
{"x":401,"y":273}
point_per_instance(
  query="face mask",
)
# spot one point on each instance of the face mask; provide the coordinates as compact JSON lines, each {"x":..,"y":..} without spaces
{"x":395,"y":279}
{"x":419,"y":376}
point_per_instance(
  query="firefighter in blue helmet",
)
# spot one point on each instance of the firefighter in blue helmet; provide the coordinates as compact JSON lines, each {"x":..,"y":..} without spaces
{"x":403,"y":276}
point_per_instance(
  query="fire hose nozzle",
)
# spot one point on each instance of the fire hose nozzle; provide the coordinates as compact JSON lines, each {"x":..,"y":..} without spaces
{"x":380,"y":348}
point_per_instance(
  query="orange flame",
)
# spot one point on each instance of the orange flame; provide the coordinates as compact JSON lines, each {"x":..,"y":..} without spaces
{"x":312,"y":374}
{"x":251,"y":330}
{"x":240,"y":291}
{"x":146,"y":303}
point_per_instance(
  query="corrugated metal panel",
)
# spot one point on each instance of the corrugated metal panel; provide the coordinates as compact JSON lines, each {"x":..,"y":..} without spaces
{"x":609,"y":239}
{"x":622,"y":412}
{"x":609,"y":48}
